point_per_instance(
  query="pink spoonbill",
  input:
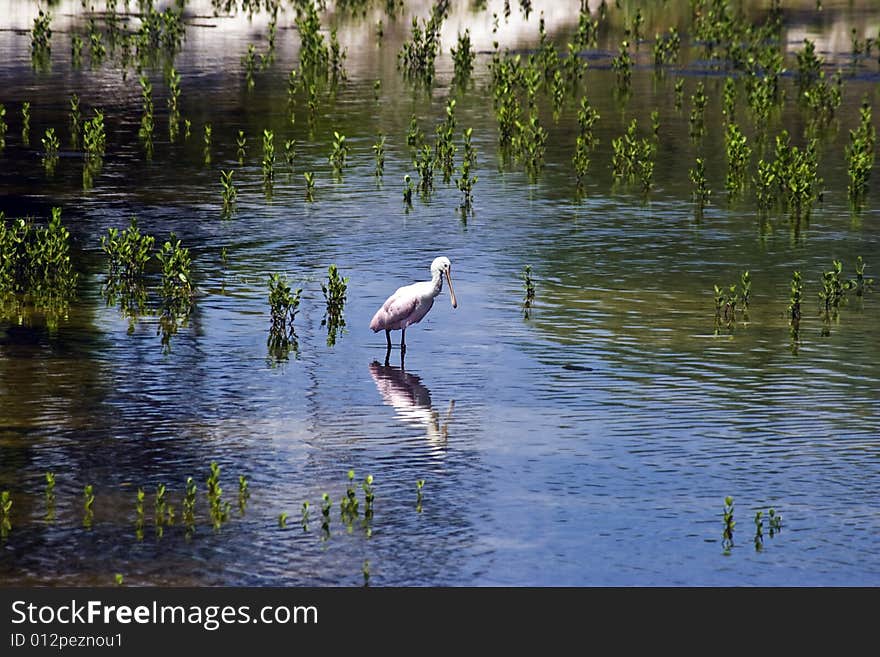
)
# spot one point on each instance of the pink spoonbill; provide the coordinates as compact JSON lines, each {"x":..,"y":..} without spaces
{"x":410,"y":303}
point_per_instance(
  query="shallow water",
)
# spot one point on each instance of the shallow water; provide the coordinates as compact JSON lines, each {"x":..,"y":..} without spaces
{"x":592,"y":443}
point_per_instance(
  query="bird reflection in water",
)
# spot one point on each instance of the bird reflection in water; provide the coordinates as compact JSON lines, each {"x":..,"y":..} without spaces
{"x":411,"y":401}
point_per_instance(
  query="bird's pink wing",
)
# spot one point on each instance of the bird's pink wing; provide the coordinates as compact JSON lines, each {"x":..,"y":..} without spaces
{"x":396,"y":309}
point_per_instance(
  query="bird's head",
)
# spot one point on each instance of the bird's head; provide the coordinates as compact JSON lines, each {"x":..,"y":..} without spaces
{"x":441,"y":266}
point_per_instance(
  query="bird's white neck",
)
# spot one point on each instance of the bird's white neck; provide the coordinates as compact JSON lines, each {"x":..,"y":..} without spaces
{"x":436,"y":281}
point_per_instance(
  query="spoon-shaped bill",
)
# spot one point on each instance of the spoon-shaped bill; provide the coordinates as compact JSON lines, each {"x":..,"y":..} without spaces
{"x":451,"y":291}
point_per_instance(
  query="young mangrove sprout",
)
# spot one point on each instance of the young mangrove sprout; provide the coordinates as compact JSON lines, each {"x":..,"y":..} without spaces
{"x":75,"y":118}
{"x":50,"y":496}
{"x":5,"y":514}
{"x":41,"y":38}
{"x":425,"y":167}
{"x":326,"y":506}
{"x":530,"y":291}
{"x":189,"y":504}
{"x":408,"y":189}
{"x":795,"y":299}
{"x":861,"y":284}
{"x":241,"y":143}
{"x":698,"y":107}
{"x":304,"y":517}
{"x":207,"y":141}
{"x":283,"y":305}
{"x":4,"y":127}
{"x":229,"y":192}
{"x":289,"y":152}
{"x":268,"y":157}
{"x":444,"y":146}
{"x":414,"y":135}
{"x":139,"y":514}
{"x":51,"y":145}
{"x":701,"y":187}
{"x":26,"y":122}
{"x":218,"y":509}
{"x":334,"y":296}
{"x":463,"y":59}
{"x":759,"y":531}
{"x":310,"y":185}
{"x":379,"y":155}
{"x":466,"y":181}
{"x":860,"y":156}
{"x":160,"y":507}
{"x":729,"y":524}
{"x":420,"y":483}
{"x":738,"y":157}
{"x":338,"y":154}
{"x":88,"y":503}
{"x":282,"y":520}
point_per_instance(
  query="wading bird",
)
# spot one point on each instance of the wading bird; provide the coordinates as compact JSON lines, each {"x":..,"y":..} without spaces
{"x":410,"y":303}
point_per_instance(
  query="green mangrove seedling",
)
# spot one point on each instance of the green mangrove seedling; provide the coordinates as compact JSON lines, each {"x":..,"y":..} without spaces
{"x":282,"y":520}
{"x":425,"y":167}
{"x":334,"y":296}
{"x":738,"y":157}
{"x":759,"y":531}
{"x":4,"y":127}
{"x":229,"y":192}
{"x":530,"y":291}
{"x":729,"y":524}
{"x":338,"y":154}
{"x":414,"y":136}
{"x":463,"y":58}
{"x":241,"y":143}
{"x":41,"y":40}
{"x":701,"y":186}
{"x":5,"y":514}
{"x":25,"y":122}
{"x":189,"y":503}
{"x":51,"y":145}
{"x":379,"y":155}
{"x":243,"y":492}
{"x":698,"y":108}
{"x":139,"y":515}
{"x":326,"y":506}
{"x":268,"y":156}
{"x":283,"y":305}
{"x":861,"y":284}
{"x":50,"y":496}
{"x":420,"y":483}
{"x":408,"y":189}
{"x":310,"y":186}
{"x":75,"y":118}
{"x":88,"y":503}
{"x":304,"y":520}
{"x":795,"y":298}
{"x":860,"y":156}
{"x":679,"y":93}
{"x":289,"y":152}
{"x":466,"y":181}
{"x":207,"y":141}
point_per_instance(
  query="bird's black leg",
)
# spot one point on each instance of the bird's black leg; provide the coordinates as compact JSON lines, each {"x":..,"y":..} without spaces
{"x":388,"y":338}
{"x":402,"y":341}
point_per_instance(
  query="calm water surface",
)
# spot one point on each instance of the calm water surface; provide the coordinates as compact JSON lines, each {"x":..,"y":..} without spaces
{"x":592,"y":443}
